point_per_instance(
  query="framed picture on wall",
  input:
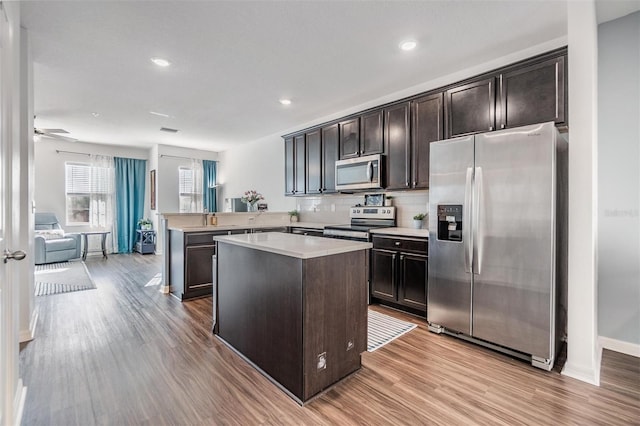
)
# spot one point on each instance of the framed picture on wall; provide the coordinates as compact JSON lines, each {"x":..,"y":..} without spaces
{"x":152,"y":192}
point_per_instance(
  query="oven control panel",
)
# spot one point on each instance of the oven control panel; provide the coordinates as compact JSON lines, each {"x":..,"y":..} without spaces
{"x":372,"y":212}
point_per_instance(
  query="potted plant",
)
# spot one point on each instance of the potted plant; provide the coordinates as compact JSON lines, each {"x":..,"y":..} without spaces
{"x":388,"y":200}
{"x":293,"y":215}
{"x":145,"y":224}
{"x":417,"y":220}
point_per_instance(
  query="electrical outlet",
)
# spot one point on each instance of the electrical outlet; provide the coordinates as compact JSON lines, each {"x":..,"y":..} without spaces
{"x":333,"y":207}
{"x":322,"y":361}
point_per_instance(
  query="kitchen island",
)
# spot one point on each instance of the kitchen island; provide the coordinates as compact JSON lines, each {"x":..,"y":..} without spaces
{"x":294,"y":306}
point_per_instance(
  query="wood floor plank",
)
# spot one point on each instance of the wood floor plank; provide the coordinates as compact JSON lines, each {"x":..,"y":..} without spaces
{"x":128,"y":354}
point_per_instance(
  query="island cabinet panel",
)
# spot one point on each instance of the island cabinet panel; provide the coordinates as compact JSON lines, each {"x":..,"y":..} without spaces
{"x":335,"y":318}
{"x":303,"y":322}
{"x":260,"y":310}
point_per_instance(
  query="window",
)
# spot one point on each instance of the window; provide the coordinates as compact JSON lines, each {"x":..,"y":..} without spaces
{"x":190,"y":190}
{"x":89,"y":194}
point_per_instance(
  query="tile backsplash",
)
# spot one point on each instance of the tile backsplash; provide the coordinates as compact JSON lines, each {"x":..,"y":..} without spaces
{"x":335,"y":208}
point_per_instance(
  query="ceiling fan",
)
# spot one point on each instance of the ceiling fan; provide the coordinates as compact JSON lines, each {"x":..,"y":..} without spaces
{"x":53,"y":134}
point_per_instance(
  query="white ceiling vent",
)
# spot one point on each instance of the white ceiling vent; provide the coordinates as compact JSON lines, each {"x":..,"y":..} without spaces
{"x":168,"y":129}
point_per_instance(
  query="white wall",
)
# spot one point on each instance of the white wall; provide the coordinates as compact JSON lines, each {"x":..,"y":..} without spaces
{"x":49,"y":194}
{"x":583,"y":361}
{"x":257,"y":165}
{"x":619,"y":181}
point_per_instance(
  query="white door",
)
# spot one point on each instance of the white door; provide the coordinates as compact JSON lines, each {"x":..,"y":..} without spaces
{"x":11,"y":390}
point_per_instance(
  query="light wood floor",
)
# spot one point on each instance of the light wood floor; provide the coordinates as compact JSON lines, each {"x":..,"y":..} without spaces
{"x":127,"y":354}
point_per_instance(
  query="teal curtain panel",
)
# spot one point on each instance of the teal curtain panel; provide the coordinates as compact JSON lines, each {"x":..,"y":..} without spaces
{"x":130,"y":185}
{"x":209,"y":185}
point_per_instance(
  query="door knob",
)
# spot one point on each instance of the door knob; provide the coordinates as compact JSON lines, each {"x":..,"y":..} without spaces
{"x":16,"y":255}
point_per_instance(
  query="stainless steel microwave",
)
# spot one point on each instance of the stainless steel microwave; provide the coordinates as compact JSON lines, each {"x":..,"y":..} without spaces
{"x":359,"y":173}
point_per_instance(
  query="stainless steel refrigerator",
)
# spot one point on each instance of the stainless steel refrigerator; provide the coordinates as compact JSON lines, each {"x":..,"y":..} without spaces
{"x":497,"y":240}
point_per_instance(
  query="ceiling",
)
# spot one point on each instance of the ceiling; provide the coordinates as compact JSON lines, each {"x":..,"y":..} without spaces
{"x":232,"y":61}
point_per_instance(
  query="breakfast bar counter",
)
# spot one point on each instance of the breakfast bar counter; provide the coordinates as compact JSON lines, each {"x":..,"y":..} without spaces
{"x":293,"y":306}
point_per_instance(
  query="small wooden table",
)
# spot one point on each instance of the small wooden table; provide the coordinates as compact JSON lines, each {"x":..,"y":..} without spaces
{"x":85,"y":239}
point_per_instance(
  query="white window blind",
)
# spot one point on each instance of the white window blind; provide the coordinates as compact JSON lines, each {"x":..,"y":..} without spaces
{"x":185,"y":183}
{"x":190,"y":188}
{"x":89,"y":194}
{"x":87,"y":179}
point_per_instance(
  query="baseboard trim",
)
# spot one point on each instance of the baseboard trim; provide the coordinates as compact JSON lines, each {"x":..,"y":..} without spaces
{"x":30,"y":334}
{"x":587,"y":375}
{"x":621,"y":346}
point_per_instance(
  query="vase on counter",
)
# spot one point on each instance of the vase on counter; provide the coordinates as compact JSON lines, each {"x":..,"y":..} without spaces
{"x":417,"y":224}
{"x":252,"y":207}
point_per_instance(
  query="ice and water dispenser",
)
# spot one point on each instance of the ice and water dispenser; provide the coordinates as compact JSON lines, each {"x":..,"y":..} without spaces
{"x":450,"y":222}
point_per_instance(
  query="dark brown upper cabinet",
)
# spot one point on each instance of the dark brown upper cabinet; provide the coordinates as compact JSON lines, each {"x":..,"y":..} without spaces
{"x":371,"y":140}
{"x":289,"y":167}
{"x":300,"y":165}
{"x":314,"y":162}
{"x":471,"y":108}
{"x":397,"y":137}
{"x":532,"y":94}
{"x":350,"y":138}
{"x":427,"y":125}
{"x":330,"y":142}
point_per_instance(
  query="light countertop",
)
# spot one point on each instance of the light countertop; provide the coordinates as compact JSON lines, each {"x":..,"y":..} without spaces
{"x":214,"y":228}
{"x":300,"y":246}
{"x":402,"y":232}
{"x":310,"y":225}
{"x":209,"y":228}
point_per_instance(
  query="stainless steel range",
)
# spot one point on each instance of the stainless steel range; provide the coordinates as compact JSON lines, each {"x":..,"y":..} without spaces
{"x":363,"y":219}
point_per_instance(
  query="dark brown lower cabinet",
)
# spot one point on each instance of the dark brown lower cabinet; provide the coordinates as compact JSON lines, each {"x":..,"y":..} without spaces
{"x":190,"y":262}
{"x":399,"y":273}
{"x":303,"y":322}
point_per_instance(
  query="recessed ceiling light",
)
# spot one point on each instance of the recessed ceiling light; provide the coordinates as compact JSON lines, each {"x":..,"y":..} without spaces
{"x":95,"y":114}
{"x":159,"y":114}
{"x":408,"y":45}
{"x":285,"y":101}
{"x":160,"y":62}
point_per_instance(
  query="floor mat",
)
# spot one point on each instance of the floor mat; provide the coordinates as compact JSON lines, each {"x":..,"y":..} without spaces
{"x":63,"y":277}
{"x":382,"y":329}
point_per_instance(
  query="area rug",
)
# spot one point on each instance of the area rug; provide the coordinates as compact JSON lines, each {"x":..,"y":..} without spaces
{"x":383,"y":329}
{"x":64,"y":277}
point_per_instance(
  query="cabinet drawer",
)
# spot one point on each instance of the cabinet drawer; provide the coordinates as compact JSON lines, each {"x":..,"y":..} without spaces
{"x":404,"y":244}
{"x":199,"y":238}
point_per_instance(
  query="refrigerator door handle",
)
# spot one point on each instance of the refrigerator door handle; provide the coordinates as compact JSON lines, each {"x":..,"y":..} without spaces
{"x":478,"y":231}
{"x":466,"y":222}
